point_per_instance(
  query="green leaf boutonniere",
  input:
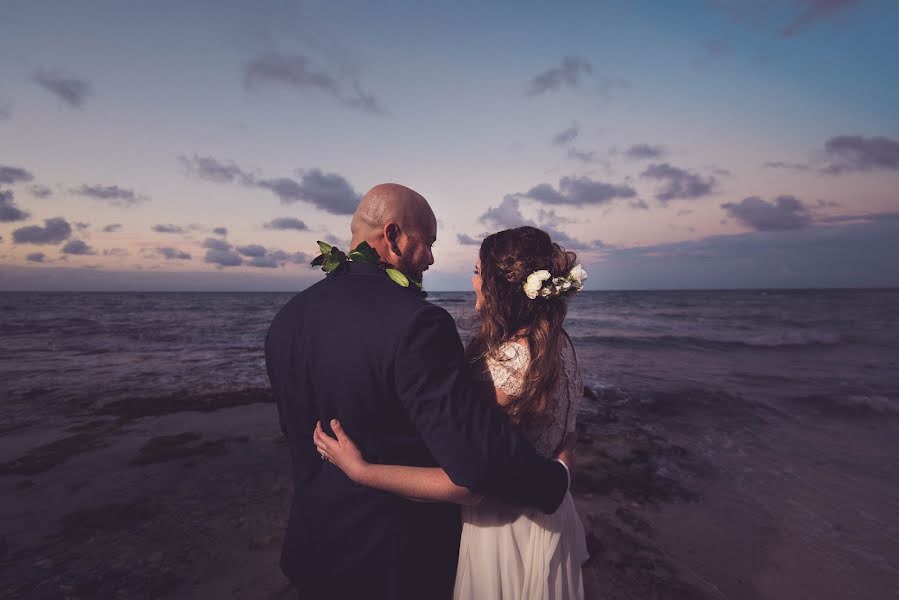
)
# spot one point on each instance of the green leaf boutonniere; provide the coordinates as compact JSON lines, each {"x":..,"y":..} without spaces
{"x":332,"y":258}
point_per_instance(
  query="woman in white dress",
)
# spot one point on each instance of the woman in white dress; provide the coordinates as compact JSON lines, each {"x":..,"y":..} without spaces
{"x":521,"y":282}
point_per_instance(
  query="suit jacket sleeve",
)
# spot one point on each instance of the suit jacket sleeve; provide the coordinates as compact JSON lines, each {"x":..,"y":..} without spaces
{"x":471,"y":439}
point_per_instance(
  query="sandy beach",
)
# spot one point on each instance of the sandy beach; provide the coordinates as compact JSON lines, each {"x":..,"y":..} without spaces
{"x":187,"y":498}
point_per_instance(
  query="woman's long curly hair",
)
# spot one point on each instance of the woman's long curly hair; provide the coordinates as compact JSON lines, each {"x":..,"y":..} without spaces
{"x":506,"y":312}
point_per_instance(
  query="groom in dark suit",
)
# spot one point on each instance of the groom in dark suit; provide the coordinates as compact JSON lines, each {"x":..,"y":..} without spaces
{"x":360,"y":348}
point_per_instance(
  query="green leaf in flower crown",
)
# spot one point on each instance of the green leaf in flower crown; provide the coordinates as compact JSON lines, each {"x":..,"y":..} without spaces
{"x":318,"y":260}
{"x":324,"y":247}
{"x":398,"y":277}
{"x":364,"y":253}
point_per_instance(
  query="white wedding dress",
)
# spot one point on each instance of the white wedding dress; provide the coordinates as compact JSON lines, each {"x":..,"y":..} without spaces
{"x":514,"y":553}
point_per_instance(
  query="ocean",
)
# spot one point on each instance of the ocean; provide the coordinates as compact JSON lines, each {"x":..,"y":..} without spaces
{"x":839,"y":348}
{"x":749,"y":437}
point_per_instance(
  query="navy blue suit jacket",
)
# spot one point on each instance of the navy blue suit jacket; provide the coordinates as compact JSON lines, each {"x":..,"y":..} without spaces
{"x":389,"y":365}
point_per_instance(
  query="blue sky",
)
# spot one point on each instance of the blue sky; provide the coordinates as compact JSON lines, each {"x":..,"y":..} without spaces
{"x":207,"y":145}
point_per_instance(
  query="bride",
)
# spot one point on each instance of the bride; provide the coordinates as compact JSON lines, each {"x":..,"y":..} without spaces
{"x":521,"y":283}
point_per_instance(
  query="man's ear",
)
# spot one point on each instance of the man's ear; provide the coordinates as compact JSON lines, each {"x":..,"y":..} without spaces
{"x":392,"y":234}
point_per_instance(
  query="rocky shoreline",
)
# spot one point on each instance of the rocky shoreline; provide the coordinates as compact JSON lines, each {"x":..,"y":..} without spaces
{"x":187,"y":498}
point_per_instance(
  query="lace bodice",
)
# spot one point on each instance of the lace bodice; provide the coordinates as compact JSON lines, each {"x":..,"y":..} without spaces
{"x":507,"y":372}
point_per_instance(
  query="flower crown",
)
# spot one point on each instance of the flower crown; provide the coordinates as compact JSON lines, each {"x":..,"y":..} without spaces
{"x":541,"y":283}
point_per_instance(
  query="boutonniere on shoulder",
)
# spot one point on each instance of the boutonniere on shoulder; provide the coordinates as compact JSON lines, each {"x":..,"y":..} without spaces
{"x":332,"y":258}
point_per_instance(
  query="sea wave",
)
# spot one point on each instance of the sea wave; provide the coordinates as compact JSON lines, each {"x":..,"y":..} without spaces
{"x":761,"y":340}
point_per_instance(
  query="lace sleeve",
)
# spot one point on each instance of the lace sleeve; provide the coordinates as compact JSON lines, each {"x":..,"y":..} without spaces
{"x":507,"y":371}
{"x":575,"y":387}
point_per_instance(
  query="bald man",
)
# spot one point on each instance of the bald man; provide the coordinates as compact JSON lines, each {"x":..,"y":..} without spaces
{"x":389,"y":366}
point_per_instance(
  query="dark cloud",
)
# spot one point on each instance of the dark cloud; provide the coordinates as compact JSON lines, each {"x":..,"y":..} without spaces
{"x":286,"y":223}
{"x":579,"y":191}
{"x":214,"y":244}
{"x":568,"y":74}
{"x":252,"y":250}
{"x":298,"y":258}
{"x":13,"y":175}
{"x":296,"y":71}
{"x":167,"y":228}
{"x":9,"y":212}
{"x":211,"y":169}
{"x":54,"y":231}
{"x":40,"y":191}
{"x":170,"y":253}
{"x":327,"y":191}
{"x":785,"y":212}
{"x":467,"y":240}
{"x":113,"y":227}
{"x":222,"y":231}
{"x":858,"y":153}
{"x":563,"y":137}
{"x":644,"y":151}
{"x":36,"y":257}
{"x":678,"y":183}
{"x":112,"y":194}
{"x":854,"y":252}
{"x":77,"y":247}
{"x":115,"y":252}
{"x":71,"y":90}
{"x":223,"y":258}
{"x":816,"y":10}
{"x":508,"y":215}
{"x":264,"y":262}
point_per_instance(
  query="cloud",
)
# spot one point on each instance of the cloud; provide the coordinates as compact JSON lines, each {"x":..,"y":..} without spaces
{"x":563,"y":137}
{"x":115,"y":252}
{"x":211,"y":169}
{"x":9,"y":212}
{"x":786,"y":165}
{"x":582,"y":155}
{"x":54,"y":231}
{"x":167,"y":229}
{"x":222,"y":231}
{"x":579,"y":191}
{"x":298,"y":258}
{"x":223,"y":258}
{"x":854,"y":153}
{"x":214,"y":244}
{"x":852,"y":252}
{"x":568,"y":74}
{"x":77,"y":247}
{"x":467,"y":240}
{"x":785,"y":212}
{"x":110,"y":193}
{"x":253,"y":250}
{"x":40,"y":191}
{"x":678,"y":183}
{"x":13,"y":175}
{"x":170,"y":253}
{"x":81,"y":226}
{"x":327,"y":191}
{"x":286,"y":223}
{"x":113,"y":227}
{"x":508,"y":215}
{"x":816,"y":10}
{"x":71,"y":90}
{"x":36,"y":257}
{"x":296,"y":71}
{"x":644,"y":151}
{"x":639,"y":203}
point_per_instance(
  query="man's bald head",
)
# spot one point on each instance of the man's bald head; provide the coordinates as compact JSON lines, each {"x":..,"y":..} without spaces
{"x":395,"y":221}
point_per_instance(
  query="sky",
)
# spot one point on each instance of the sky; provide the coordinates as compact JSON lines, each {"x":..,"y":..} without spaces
{"x":207,"y":145}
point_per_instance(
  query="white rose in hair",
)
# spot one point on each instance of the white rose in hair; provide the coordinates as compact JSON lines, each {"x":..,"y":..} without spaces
{"x":578,"y":274}
{"x":532,"y":286}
